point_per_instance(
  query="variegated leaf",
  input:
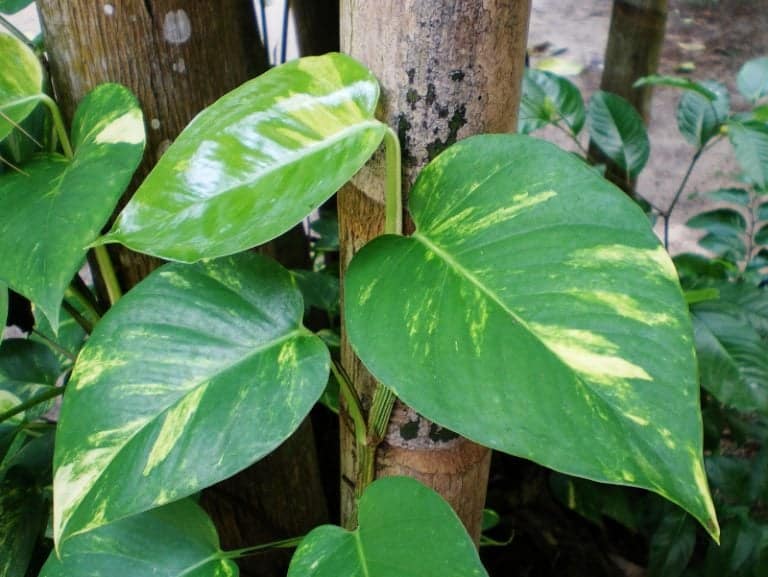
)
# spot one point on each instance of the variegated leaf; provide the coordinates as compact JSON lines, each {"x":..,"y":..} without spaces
{"x":54,"y":208}
{"x":193,"y":375}
{"x":256,"y":162}
{"x":534,"y":311}
{"x":177,"y":540}
{"x":21,"y":79}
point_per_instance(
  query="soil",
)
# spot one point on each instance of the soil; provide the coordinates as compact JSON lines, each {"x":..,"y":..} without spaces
{"x":716,"y":36}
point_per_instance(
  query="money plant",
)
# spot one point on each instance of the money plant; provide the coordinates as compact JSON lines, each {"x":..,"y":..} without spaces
{"x":533,"y":310}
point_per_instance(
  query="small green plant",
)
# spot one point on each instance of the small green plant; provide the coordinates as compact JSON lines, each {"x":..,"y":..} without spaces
{"x":533,"y":310}
{"x":728,"y":305}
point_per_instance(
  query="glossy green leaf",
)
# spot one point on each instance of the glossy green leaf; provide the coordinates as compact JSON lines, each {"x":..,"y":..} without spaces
{"x":722,"y":221}
{"x":752,"y":80}
{"x":404,"y":529}
{"x":256,"y":162}
{"x":56,"y":207}
{"x":733,"y":359}
{"x":699,"y":118}
{"x":534,"y":311}
{"x":13,"y":6}
{"x":751,"y":299}
{"x":727,"y":246}
{"x":320,"y":289}
{"x":27,"y":370}
{"x":178,"y":540}
{"x":64,"y":345}
{"x":738,"y":552}
{"x":675,"y":82}
{"x":691,"y":268}
{"x":618,"y":130}
{"x":548,"y":98}
{"x":750,"y":143}
{"x":21,"y":78}
{"x":188,"y":350}
{"x":738,"y":196}
{"x":672,"y":545}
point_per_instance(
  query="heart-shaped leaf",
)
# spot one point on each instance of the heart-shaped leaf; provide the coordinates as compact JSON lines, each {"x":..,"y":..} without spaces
{"x":55,"y":208}
{"x":404,"y":529}
{"x":733,"y":359}
{"x":618,"y":130}
{"x":750,"y":143}
{"x":256,"y":162}
{"x":21,"y":79}
{"x":752,"y":80}
{"x":196,"y":373}
{"x":549,"y":98}
{"x":23,"y":513}
{"x":177,"y":540}
{"x":534,"y":311}
{"x":700,"y":118}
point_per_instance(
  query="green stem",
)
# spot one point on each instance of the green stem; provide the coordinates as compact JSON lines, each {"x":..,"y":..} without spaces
{"x":5,"y":23}
{"x":394,"y":186}
{"x":353,"y":403}
{"x":58,"y":124}
{"x":668,"y":213}
{"x":108,"y":275}
{"x":282,"y":544}
{"x":34,"y":401}
{"x":54,"y":345}
{"x":90,"y":315}
{"x":381,"y":411}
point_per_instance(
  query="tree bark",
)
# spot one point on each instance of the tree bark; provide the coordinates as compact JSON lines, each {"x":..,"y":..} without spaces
{"x":448,"y":69}
{"x":634,"y":47}
{"x":179,"y":56}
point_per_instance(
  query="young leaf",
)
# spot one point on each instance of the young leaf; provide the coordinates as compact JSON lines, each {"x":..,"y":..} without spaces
{"x":547,"y":98}
{"x":617,"y":129}
{"x":722,"y":221}
{"x":66,"y":203}
{"x":392,"y":539}
{"x":675,"y":82}
{"x":21,"y":78}
{"x":738,"y":196}
{"x":700,"y":118}
{"x":750,"y":143}
{"x":672,"y":545}
{"x":752,"y":80}
{"x":178,"y":540}
{"x":534,"y":311}
{"x":256,"y":162}
{"x":195,"y":374}
{"x":733,"y":359}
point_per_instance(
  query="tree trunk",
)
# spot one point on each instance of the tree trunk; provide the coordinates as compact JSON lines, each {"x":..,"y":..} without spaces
{"x":448,"y":69}
{"x":634,"y":47}
{"x":179,"y":56}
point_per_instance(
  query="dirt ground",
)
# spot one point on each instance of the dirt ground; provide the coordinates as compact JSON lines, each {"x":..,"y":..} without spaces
{"x":717,"y":36}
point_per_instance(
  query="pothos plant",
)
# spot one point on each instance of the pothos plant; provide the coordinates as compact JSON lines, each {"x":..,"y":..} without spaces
{"x":533,"y":311}
{"x":728,"y":303}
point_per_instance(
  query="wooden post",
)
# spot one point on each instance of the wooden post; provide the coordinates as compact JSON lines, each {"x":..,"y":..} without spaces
{"x":448,"y":69}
